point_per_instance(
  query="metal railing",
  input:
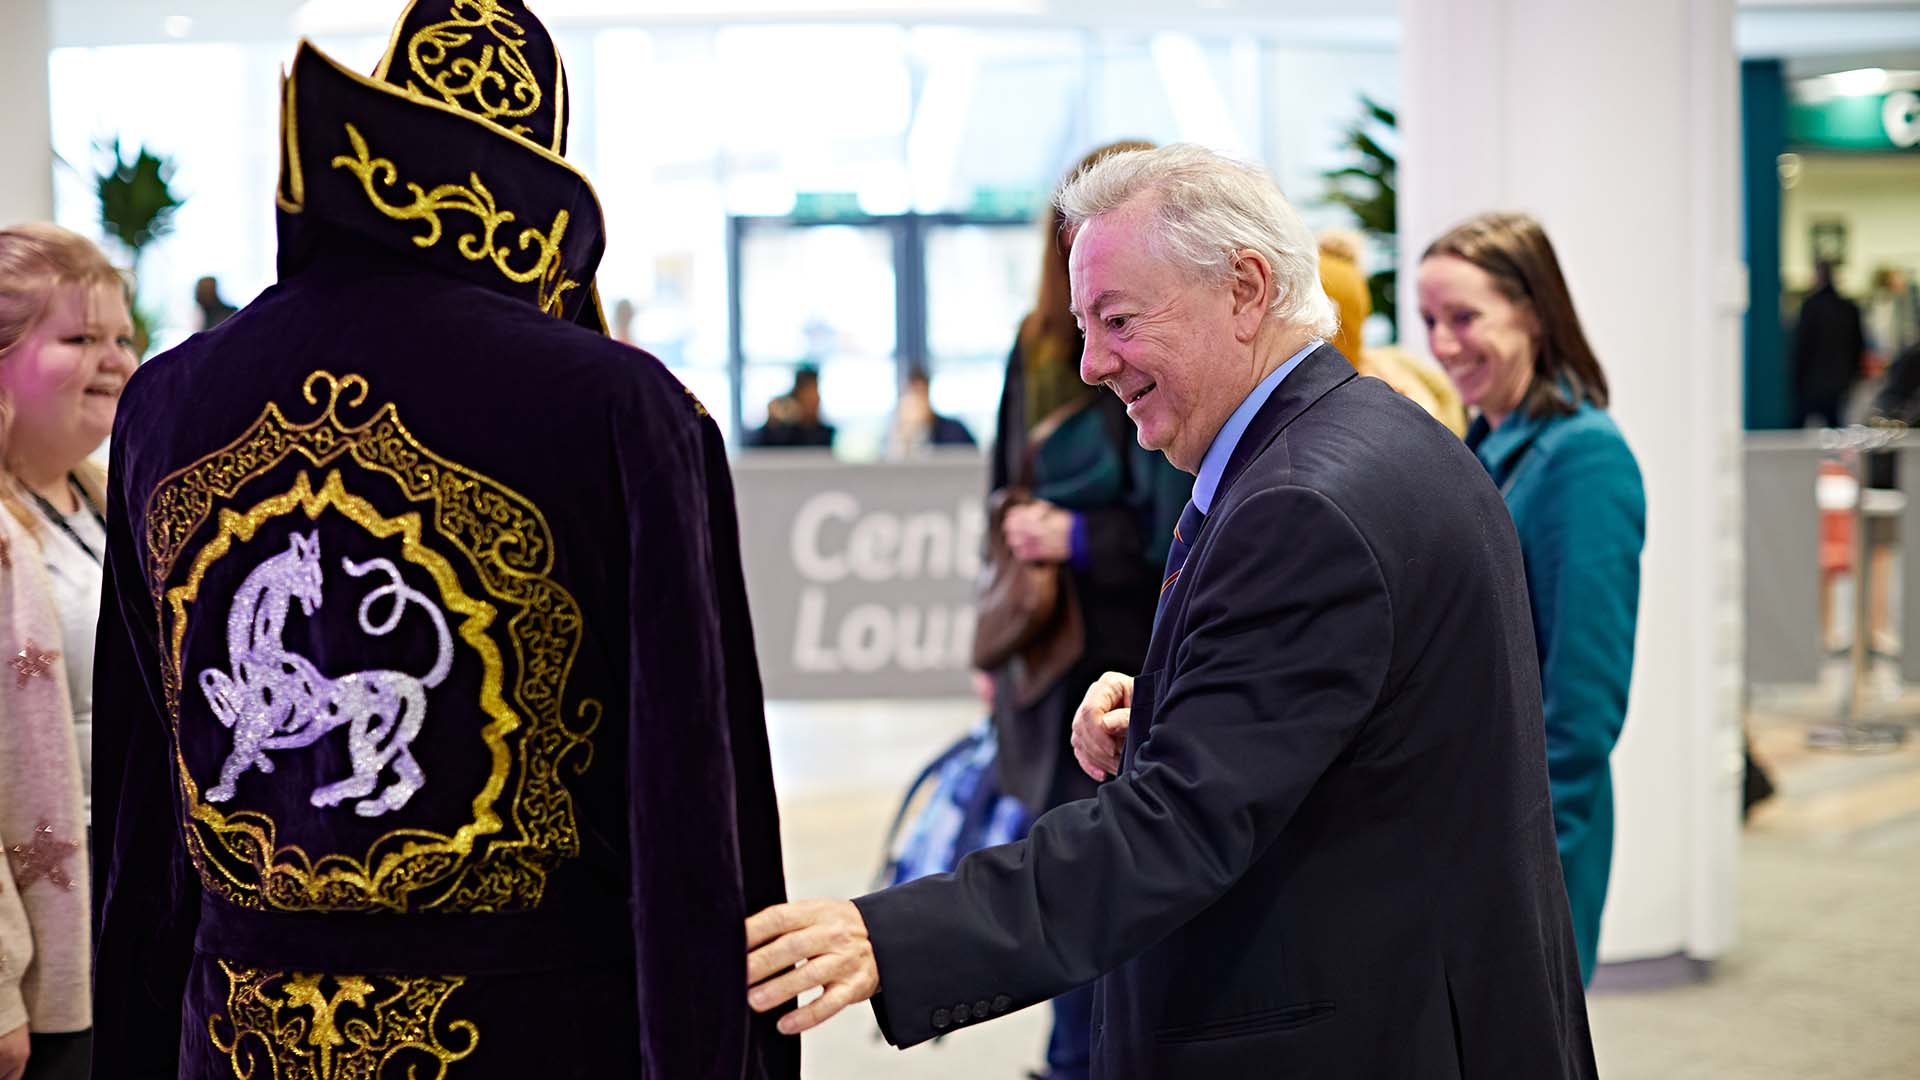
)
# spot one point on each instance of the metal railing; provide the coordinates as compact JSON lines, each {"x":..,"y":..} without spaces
{"x":1851,"y":729}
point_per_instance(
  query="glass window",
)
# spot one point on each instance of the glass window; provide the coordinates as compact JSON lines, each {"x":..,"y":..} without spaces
{"x":981,"y":282}
{"x":825,"y":296}
{"x":683,"y":126}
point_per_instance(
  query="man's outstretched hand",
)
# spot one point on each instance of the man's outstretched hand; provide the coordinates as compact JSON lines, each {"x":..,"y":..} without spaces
{"x":794,"y":947}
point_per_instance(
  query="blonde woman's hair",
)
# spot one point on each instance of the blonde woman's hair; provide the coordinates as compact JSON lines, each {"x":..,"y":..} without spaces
{"x":1207,"y":207}
{"x":1342,"y":242}
{"x":36,"y":261}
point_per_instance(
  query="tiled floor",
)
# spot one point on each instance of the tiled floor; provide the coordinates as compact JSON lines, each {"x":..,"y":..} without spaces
{"x":1825,"y":981}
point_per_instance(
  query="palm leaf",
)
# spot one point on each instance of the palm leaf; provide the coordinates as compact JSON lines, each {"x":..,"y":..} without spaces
{"x":1367,"y":189}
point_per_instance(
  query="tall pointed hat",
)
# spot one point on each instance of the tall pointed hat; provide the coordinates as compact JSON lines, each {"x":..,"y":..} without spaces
{"x":449,"y":153}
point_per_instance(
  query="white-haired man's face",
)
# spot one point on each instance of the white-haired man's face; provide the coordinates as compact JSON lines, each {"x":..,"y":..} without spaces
{"x":1175,"y":348}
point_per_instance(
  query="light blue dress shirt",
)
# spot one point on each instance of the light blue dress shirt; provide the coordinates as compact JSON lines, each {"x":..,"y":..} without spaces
{"x":1215,"y":462}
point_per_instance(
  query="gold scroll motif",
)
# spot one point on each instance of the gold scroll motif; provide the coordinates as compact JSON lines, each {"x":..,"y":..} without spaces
{"x":473,"y":198}
{"x":472,"y":82}
{"x":506,"y":542}
{"x":338,"y":1027}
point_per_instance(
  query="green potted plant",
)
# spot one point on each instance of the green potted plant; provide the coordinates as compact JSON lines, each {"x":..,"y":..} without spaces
{"x":1367,"y":189}
{"x":137,"y":205}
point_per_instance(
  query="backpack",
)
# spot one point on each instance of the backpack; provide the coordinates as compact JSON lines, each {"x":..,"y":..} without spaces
{"x":966,"y":811}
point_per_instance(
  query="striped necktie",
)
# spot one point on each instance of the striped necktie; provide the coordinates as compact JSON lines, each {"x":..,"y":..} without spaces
{"x":1184,"y":535}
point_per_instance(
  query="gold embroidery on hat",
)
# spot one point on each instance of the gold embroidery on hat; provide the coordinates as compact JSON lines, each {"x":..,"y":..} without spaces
{"x":551,"y":155}
{"x":294,"y":198}
{"x":306,"y":1026}
{"x":550,"y":283}
{"x":467,"y":79}
{"x":508,"y":545}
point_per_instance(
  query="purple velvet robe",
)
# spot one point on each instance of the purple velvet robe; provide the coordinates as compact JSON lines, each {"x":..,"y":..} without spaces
{"x":429,"y":735}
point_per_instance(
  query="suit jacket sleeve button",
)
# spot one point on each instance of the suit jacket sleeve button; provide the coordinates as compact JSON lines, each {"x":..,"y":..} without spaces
{"x":941,"y":1019}
{"x":1000,"y":1003}
{"x":960,"y":1014}
{"x":980,"y":1009}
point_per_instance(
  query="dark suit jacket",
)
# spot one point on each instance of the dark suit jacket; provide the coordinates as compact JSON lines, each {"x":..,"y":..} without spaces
{"x":565,"y":889}
{"x":1330,"y":851}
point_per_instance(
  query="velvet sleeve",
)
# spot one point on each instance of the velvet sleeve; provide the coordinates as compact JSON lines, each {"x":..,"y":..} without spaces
{"x":1584,"y":538}
{"x":148,"y":894}
{"x":704,"y":840}
{"x":1284,"y":658}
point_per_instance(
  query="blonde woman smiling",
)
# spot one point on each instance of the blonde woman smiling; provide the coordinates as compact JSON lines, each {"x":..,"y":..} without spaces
{"x":65,"y":353}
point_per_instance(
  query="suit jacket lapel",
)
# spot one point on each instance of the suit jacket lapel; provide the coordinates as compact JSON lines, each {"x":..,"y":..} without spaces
{"x":1321,"y":371}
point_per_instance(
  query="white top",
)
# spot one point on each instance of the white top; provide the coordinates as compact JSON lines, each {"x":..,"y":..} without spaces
{"x":76,"y":579}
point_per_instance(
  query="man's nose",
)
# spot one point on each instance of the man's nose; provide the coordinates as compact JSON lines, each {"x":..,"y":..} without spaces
{"x":1097,"y":363}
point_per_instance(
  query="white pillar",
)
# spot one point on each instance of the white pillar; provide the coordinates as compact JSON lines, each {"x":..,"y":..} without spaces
{"x":26,"y":138}
{"x":1615,"y":124}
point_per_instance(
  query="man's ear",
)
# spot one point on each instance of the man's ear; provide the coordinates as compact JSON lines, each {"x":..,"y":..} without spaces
{"x":1250,"y":283}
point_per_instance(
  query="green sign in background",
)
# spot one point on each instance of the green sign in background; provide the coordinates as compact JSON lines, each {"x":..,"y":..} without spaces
{"x":1875,"y":122}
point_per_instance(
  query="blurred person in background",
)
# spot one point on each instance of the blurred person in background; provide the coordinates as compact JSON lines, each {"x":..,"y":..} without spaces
{"x":213,"y":309}
{"x":1501,"y":322}
{"x":1105,"y":508}
{"x":916,"y":427}
{"x":66,"y":350}
{"x":1345,"y":281}
{"x":623,"y":313}
{"x":1829,"y":342}
{"x":1892,"y":314}
{"x":793,"y":419}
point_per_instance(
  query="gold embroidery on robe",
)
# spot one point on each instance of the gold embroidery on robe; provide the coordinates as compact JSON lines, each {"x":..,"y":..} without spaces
{"x":550,"y":283}
{"x":338,"y":1027}
{"x":500,"y":860}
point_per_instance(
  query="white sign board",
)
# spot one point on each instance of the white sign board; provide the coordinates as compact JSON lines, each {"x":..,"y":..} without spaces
{"x":860,"y":577}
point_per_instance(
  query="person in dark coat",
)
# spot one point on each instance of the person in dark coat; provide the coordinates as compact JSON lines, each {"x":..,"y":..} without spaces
{"x":214,"y":309}
{"x":1828,"y":342}
{"x":1327,"y":848}
{"x":429,"y":739}
{"x":793,"y":420}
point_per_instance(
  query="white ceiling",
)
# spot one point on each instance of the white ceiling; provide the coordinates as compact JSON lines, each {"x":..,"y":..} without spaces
{"x":1849,"y":32}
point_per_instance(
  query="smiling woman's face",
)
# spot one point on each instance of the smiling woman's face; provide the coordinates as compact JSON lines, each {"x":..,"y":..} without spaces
{"x":1486,"y":342}
{"x":64,"y":379}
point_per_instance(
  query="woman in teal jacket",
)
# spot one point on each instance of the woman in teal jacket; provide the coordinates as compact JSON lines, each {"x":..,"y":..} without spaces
{"x":1500,"y":320}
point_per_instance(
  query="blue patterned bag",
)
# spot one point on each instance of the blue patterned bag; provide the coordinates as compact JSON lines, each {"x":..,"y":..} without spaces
{"x":965,"y":812}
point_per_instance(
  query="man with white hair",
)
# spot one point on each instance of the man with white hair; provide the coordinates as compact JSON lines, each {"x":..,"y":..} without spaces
{"x":1327,"y":848}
